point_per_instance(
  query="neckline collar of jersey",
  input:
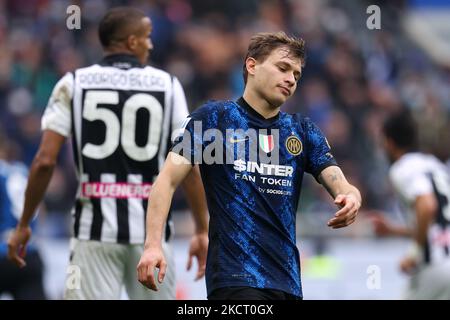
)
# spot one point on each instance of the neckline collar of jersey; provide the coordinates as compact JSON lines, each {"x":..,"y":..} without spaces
{"x":244,"y":104}
{"x":121,"y":60}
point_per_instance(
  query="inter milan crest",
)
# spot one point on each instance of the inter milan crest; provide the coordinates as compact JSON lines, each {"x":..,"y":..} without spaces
{"x":294,"y":145}
{"x":266,"y":142}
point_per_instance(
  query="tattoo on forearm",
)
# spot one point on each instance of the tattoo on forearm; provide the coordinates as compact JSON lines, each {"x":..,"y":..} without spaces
{"x":335,"y":175}
{"x":330,"y":179}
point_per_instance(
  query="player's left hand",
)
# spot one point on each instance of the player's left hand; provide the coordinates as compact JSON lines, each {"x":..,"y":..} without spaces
{"x":349,"y":205}
{"x":199,"y":249}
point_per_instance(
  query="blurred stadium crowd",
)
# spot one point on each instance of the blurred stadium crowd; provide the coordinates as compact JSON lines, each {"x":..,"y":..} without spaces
{"x":353,"y":78}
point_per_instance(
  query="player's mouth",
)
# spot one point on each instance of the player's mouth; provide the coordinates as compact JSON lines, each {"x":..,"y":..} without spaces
{"x":285,"y":91}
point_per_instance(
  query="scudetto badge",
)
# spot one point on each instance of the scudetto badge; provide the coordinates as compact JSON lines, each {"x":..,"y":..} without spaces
{"x":294,"y":145}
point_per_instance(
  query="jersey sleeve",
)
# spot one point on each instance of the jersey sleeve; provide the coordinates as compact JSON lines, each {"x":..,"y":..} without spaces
{"x":410,"y":182}
{"x":57,"y":113}
{"x":180,"y":109}
{"x":189,"y":142}
{"x":318,"y":150}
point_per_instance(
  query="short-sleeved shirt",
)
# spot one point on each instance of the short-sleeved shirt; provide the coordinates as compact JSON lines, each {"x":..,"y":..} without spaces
{"x":120,"y":115}
{"x":252,"y":199}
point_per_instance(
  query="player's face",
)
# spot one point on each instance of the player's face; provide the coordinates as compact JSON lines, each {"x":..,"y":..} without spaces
{"x":276,"y":77}
{"x":143,"y":41}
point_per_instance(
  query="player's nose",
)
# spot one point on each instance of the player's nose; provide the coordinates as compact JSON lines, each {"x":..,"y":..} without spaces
{"x":290,"y":79}
{"x":149,"y":44}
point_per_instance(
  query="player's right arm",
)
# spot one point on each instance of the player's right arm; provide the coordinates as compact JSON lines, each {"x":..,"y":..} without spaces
{"x":192,"y":187}
{"x":175,"y":169}
{"x":195,"y":195}
{"x":40,"y":173}
{"x":56,"y":124}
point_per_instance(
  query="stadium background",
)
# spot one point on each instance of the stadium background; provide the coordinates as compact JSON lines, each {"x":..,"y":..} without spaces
{"x":353,"y":78}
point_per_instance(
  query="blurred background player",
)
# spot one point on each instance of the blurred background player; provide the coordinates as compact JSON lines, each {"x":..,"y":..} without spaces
{"x":24,"y":283}
{"x":422,"y":182}
{"x":120,"y":114}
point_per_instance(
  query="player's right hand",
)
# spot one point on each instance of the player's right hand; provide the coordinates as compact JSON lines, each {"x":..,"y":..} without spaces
{"x":381,"y":226}
{"x":151,"y":258}
{"x":17,"y":245}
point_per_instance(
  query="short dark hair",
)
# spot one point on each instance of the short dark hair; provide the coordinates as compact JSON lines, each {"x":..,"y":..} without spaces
{"x":401,"y":128}
{"x":117,"y":24}
{"x":262,"y":44}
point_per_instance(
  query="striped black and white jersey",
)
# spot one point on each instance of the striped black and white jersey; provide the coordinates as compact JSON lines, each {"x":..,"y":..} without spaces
{"x":416,"y":174}
{"x":120,"y":116}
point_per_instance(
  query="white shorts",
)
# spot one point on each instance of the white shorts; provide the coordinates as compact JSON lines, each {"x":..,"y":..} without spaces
{"x":99,"y":270}
{"x":430,"y":283}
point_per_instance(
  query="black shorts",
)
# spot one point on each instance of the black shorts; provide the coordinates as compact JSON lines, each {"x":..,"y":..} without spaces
{"x":249,"y":293}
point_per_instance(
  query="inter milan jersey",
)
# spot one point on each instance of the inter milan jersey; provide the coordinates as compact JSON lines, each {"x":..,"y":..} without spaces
{"x":252,"y":198}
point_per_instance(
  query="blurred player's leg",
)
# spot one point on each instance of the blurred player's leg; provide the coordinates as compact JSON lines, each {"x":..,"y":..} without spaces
{"x":432,"y":283}
{"x":102,"y":268}
{"x":136,"y":291}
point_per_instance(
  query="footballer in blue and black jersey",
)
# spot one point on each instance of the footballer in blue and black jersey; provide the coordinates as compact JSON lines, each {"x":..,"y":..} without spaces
{"x":253,"y":202}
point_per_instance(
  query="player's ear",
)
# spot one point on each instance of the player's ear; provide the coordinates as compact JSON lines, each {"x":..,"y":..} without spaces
{"x":388,"y":144}
{"x":250,"y":64}
{"x":132,"y":42}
